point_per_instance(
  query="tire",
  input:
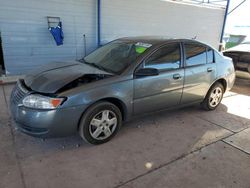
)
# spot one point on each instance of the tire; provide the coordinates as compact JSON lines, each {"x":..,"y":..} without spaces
{"x":98,"y":124}
{"x":213,"y":98}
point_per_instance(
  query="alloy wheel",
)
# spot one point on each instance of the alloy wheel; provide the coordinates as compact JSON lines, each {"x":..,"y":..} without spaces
{"x":215,"y":97}
{"x":103,"y":125}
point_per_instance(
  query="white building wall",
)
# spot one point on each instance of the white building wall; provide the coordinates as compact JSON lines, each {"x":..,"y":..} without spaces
{"x":120,"y":18}
{"x":27,"y":43}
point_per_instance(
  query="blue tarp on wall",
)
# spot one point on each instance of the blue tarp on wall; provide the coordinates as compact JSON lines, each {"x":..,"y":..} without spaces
{"x":57,"y":33}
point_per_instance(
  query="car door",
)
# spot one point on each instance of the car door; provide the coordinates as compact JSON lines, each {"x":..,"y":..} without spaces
{"x":162,"y":90}
{"x":200,"y":71}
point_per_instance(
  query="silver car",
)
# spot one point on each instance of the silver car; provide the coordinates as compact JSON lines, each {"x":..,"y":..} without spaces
{"x":122,"y":79}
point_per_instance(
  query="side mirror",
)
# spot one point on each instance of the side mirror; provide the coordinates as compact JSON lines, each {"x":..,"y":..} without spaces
{"x":146,"y":72}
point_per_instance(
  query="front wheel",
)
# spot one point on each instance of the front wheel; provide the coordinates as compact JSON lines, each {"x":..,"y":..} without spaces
{"x":100,"y":123}
{"x":213,"y":97}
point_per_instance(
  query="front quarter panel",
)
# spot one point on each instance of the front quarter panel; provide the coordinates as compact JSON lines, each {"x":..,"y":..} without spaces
{"x":121,"y":89}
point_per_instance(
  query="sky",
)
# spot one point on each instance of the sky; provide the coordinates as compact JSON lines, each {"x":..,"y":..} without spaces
{"x":238,"y":22}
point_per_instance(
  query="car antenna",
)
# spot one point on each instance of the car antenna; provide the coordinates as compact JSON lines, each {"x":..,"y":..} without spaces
{"x":194,"y":38}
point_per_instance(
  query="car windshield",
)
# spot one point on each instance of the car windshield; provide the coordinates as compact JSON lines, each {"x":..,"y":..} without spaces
{"x":116,"y":56}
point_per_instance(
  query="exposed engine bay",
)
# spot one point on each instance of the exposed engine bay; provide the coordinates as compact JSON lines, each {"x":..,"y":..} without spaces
{"x":85,"y":79}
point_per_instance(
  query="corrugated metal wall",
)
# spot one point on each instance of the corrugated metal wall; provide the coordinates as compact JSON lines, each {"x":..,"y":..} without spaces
{"x":158,"y":17}
{"x":27,"y":43}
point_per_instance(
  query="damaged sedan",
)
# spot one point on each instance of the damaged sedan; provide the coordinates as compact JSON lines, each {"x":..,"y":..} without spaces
{"x":120,"y":80}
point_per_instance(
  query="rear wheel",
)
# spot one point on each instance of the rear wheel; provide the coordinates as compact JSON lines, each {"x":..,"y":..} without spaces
{"x":100,"y":123}
{"x":214,"y":97}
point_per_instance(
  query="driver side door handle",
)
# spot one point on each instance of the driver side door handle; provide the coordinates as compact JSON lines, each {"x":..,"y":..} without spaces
{"x":176,"y":76}
{"x":209,"y":69}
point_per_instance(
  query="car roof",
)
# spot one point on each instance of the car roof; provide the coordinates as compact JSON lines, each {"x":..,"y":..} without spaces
{"x":157,"y":40}
{"x":147,"y":39}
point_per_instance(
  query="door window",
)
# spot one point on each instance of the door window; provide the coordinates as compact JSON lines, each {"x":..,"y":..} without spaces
{"x":166,"y":58}
{"x":195,"y":54}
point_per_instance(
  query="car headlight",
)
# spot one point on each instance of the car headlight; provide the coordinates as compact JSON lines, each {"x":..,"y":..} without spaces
{"x":42,"y":102}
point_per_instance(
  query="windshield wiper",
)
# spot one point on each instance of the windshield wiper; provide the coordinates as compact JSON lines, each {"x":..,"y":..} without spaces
{"x":94,"y":65}
{"x":98,"y":66}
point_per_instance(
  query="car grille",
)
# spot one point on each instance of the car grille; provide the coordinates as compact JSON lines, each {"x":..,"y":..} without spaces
{"x":18,"y":92}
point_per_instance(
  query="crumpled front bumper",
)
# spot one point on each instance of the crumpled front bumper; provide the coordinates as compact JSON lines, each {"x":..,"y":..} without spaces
{"x":43,"y":123}
{"x":47,"y":123}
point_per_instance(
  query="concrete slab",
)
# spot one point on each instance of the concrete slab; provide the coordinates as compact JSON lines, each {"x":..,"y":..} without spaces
{"x":3,"y":108}
{"x":230,"y":94}
{"x":7,"y":154}
{"x":10,"y":175}
{"x":218,"y":165}
{"x":232,"y":114}
{"x":143,"y":146}
{"x":7,"y":90}
{"x":240,"y":140}
{"x":9,"y":79}
{"x":153,"y":140}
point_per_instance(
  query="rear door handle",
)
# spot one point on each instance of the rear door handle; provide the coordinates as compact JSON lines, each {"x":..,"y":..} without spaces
{"x":209,"y":69}
{"x":176,"y":76}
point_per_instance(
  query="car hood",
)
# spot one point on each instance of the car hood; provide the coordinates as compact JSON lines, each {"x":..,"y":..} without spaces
{"x":239,"y":48}
{"x":54,"y":76}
